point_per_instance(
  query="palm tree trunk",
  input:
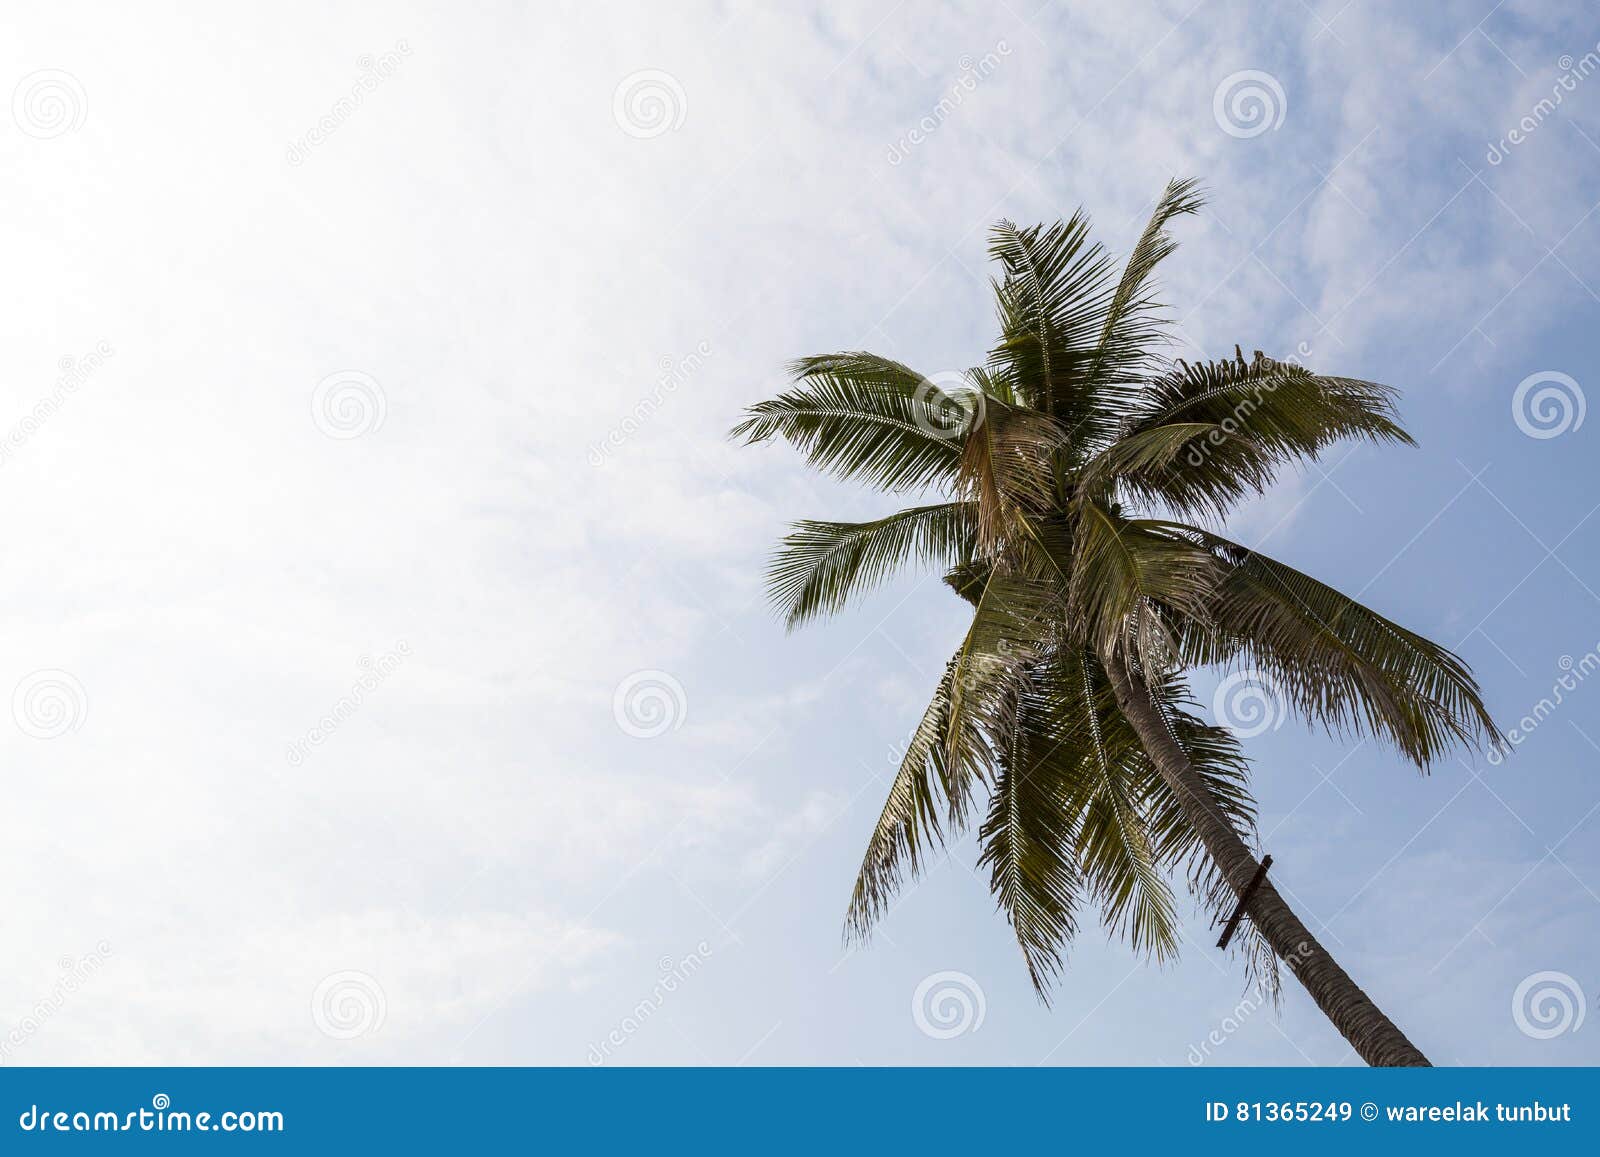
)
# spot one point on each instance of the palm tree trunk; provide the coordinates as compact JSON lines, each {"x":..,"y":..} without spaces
{"x":1373,"y":1035}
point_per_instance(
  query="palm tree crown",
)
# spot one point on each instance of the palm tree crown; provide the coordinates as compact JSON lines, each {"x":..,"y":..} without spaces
{"x":1074,"y":466}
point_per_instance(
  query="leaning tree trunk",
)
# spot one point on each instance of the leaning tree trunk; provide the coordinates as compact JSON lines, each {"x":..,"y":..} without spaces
{"x":1373,"y":1035}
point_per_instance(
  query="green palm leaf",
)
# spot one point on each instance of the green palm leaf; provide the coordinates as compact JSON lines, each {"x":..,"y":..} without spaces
{"x":1203,"y":436}
{"x":1115,"y":845}
{"x":925,"y":787}
{"x":1135,"y":326}
{"x":1030,"y":834}
{"x":856,"y":415}
{"x":820,"y":566}
{"x":1053,"y":300}
{"x":1122,"y":568}
{"x":1336,"y":662}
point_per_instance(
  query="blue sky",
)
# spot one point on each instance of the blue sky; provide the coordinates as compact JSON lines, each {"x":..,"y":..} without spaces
{"x":339,"y":370}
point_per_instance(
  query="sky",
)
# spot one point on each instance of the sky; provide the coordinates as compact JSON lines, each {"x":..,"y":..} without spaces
{"x":391,"y":679}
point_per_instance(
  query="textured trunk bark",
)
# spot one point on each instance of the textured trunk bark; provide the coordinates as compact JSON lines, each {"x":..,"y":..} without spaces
{"x":1373,"y":1035}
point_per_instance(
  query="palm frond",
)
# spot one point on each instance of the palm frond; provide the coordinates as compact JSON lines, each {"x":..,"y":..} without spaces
{"x":1016,"y":623}
{"x":860,"y":416}
{"x":967,"y":726}
{"x":1135,"y":326}
{"x":1122,"y":568}
{"x":1205,"y":435}
{"x":1007,"y":469}
{"x":1115,"y":843}
{"x":1334,"y":661}
{"x":1218,"y":760}
{"x":926,"y":787}
{"x":969,"y":578}
{"x":1029,"y":836}
{"x":1053,"y":298}
{"x":820,"y":566}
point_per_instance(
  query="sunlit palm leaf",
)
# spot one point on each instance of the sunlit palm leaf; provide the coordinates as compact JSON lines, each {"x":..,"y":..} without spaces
{"x":1007,"y":470}
{"x":1135,"y":327}
{"x":1336,"y":662}
{"x":927,"y":793}
{"x":820,"y":566}
{"x":1115,"y":845}
{"x":1017,"y":622}
{"x":1219,"y":761}
{"x":1203,"y":436}
{"x":1053,"y":300}
{"x":1030,"y":833}
{"x":1122,"y":566}
{"x":856,"y":415}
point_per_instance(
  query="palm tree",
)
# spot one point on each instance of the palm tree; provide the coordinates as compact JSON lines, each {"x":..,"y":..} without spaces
{"x":1070,"y":466}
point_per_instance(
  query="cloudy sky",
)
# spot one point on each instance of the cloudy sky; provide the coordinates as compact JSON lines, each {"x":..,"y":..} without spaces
{"x":390,"y":679}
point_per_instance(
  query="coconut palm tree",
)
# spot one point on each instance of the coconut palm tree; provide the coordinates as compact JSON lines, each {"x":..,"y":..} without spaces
{"x":1075,"y":469}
